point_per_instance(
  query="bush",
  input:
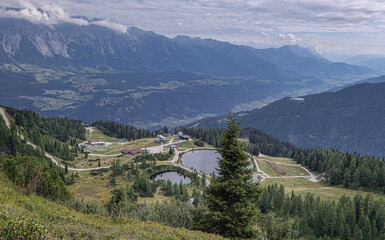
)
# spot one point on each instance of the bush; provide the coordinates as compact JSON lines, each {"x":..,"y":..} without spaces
{"x":26,"y":228}
{"x":99,"y":171}
{"x":162,"y":156}
{"x":199,"y":143}
{"x":32,"y":176}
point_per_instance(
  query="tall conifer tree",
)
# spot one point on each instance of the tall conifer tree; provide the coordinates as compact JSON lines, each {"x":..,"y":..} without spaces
{"x":231,"y":193}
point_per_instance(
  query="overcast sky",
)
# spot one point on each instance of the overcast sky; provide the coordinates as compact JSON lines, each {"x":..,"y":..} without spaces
{"x":336,"y":28}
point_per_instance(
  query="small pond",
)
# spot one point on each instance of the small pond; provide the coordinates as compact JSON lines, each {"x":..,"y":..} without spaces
{"x":174,"y":177}
{"x":203,"y":160}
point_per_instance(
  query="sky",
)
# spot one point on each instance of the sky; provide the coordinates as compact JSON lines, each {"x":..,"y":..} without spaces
{"x":337,"y":29}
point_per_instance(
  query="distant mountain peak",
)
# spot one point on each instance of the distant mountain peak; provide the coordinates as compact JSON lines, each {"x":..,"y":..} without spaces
{"x":303,"y":52}
{"x":209,"y":42}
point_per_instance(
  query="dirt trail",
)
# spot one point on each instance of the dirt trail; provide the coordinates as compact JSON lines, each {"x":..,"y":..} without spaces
{"x":2,"y":112}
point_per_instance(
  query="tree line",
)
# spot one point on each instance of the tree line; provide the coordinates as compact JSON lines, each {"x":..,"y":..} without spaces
{"x":60,"y":128}
{"x":293,"y":216}
{"x":348,"y":169}
{"x":120,"y":130}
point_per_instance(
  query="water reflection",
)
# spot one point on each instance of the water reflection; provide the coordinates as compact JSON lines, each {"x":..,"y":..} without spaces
{"x":204,"y":160}
{"x":174,"y":177}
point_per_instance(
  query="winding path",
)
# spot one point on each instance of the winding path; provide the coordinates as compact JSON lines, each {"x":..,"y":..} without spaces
{"x":2,"y":112}
{"x":263,"y":175}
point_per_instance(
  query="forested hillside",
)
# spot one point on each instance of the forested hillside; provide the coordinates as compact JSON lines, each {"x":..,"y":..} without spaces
{"x":120,"y":130}
{"x":350,"y":170}
{"x":57,"y":136}
{"x":350,"y":120}
{"x":296,"y":217}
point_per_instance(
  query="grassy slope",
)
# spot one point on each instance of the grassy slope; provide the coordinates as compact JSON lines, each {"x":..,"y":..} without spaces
{"x":264,"y":166}
{"x":75,"y":225}
{"x":190,"y":144}
{"x":279,"y":159}
{"x":303,"y":186}
{"x":292,"y":170}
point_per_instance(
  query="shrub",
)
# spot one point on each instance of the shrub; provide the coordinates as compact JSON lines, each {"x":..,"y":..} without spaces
{"x":26,"y":228}
{"x":199,"y":143}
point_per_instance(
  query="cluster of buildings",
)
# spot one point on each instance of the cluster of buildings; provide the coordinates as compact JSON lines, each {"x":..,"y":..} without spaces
{"x":133,"y":152}
{"x":92,"y":142}
{"x":182,"y":137}
{"x":95,"y":142}
{"x":162,"y":138}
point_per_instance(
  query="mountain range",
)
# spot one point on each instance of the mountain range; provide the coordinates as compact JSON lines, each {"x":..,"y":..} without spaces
{"x":373,"y":61}
{"x":351,"y":119}
{"x":139,"y":77}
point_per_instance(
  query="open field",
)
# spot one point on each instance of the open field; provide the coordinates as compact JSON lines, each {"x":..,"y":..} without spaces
{"x":95,"y":187}
{"x":97,"y":134}
{"x":190,"y":144}
{"x":292,"y":170}
{"x":279,"y":159}
{"x":113,"y":149}
{"x":264,"y":166}
{"x":304,"y":186}
{"x":141,"y":143}
{"x":187,"y":144}
{"x":92,"y":161}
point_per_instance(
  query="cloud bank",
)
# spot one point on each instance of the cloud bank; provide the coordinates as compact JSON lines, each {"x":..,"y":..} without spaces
{"x":51,"y":14}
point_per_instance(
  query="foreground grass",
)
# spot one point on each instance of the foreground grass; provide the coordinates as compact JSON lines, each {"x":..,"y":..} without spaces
{"x":74,"y":225}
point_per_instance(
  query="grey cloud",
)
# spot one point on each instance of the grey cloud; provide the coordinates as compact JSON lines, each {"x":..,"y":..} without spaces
{"x":51,"y":13}
{"x":241,"y":21}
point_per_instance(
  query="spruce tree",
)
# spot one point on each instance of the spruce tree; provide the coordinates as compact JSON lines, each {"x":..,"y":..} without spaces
{"x":231,"y":193}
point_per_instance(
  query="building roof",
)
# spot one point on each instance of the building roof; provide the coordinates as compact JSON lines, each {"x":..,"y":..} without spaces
{"x":135,"y":151}
{"x":173,"y":146}
{"x":93,"y":140}
{"x":125,"y":151}
{"x":131,"y":151}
